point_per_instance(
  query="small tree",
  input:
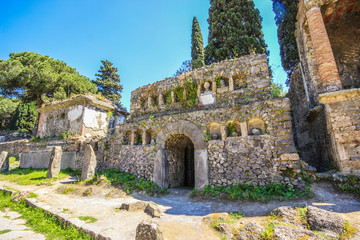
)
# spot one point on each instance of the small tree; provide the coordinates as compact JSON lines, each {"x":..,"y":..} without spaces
{"x":25,"y":117}
{"x":108,"y":82}
{"x":197,"y":46}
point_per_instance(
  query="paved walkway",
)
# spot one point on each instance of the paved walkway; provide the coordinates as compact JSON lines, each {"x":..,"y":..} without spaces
{"x":12,"y":227}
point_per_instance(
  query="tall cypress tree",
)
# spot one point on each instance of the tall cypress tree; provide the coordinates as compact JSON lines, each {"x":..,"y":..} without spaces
{"x":285,"y":18}
{"x":197,"y":46}
{"x":108,"y":82}
{"x":234,"y":30}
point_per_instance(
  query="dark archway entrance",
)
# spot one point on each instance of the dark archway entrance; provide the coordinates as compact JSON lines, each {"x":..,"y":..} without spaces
{"x":180,"y":161}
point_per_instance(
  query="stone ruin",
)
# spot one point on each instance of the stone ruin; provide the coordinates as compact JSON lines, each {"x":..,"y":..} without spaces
{"x":219,"y":124}
{"x":325,"y":86}
{"x":216,"y":125}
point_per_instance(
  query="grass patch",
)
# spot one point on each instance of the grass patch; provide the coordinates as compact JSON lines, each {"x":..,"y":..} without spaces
{"x":4,"y":231}
{"x":269,"y":231}
{"x":34,"y":176}
{"x":129,"y":182}
{"x":41,"y":221}
{"x":87,"y":219}
{"x":348,"y":231}
{"x":349,"y":184}
{"x":248,"y":192}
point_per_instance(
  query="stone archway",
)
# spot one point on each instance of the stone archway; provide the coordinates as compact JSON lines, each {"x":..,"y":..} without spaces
{"x":194,"y":134}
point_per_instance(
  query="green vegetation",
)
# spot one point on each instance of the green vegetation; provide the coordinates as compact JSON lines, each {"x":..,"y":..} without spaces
{"x":269,"y":231}
{"x":276,"y":90}
{"x":233,"y":129}
{"x":197,"y":46}
{"x":231,"y":23}
{"x":4,"y":231}
{"x":67,"y":134}
{"x":34,"y":77}
{"x":191,"y":93}
{"x":34,"y":176}
{"x":285,"y":18}
{"x":108,"y":82}
{"x":248,"y":192}
{"x":25,"y":117}
{"x":231,"y":219}
{"x":348,"y":231}
{"x":87,"y":219}
{"x":129,"y":182}
{"x":8,"y":107}
{"x":41,"y":221}
{"x":349,"y":184}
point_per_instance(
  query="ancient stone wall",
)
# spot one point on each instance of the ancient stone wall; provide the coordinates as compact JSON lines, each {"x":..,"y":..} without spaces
{"x":343,"y":123}
{"x":58,"y":120}
{"x":310,"y":131}
{"x":216,"y":86}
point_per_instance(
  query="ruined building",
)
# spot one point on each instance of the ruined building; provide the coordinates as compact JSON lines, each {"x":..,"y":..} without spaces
{"x":216,"y":125}
{"x":325,"y":87}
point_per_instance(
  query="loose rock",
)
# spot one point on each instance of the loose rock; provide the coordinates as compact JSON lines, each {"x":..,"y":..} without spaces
{"x":148,"y":230}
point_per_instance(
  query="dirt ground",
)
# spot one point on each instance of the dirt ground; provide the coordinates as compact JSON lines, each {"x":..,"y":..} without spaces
{"x":183,"y":215}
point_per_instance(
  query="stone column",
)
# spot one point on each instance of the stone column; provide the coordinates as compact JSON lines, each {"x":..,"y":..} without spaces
{"x":201,"y":168}
{"x":324,"y":55}
{"x":214,"y":87}
{"x":4,"y":161}
{"x":223,"y":133}
{"x":133,"y":138}
{"x":144,"y":137}
{"x":231,"y":84}
{"x":199,"y":90}
{"x":54,"y":163}
{"x":161,"y":99}
{"x":244,"y":129}
{"x":172,"y":97}
{"x":149,"y":102}
{"x":160,"y":169}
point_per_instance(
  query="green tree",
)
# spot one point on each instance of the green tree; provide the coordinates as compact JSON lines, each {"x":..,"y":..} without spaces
{"x":25,"y":117}
{"x":197,"y":46}
{"x":8,"y":107}
{"x":34,"y":77}
{"x":108,"y":82}
{"x":234,"y":30}
{"x":285,"y":18}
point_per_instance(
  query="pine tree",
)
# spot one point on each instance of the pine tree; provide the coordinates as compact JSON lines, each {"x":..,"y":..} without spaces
{"x":285,"y":18}
{"x":108,"y":82}
{"x":197,"y":46}
{"x":234,"y":30}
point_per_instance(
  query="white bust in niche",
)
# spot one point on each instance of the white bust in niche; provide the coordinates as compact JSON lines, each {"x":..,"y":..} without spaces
{"x":207,"y":97}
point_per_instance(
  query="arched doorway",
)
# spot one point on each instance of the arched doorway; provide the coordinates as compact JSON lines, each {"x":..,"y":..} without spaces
{"x":178,"y":145}
{"x":180,"y":158}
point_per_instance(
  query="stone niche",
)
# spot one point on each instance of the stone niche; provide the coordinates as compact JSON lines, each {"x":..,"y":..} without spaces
{"x":84,"y":115}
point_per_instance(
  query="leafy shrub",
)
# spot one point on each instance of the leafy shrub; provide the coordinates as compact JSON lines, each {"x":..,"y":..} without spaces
{"x":248,"y":192}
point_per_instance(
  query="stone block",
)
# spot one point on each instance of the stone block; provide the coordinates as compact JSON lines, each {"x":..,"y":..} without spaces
{"x":89,"y":163}
{"x":40,"y":160}
{"x":290,"y":157}
{"x":4,"y":161}
{"x":148,"y":230}
{"x":54,"y":163}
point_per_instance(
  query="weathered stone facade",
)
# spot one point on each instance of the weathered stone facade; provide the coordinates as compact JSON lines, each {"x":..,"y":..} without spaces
{"x":83,"y":115}
{"x":217,"y":125}
{"x":327,"y":36}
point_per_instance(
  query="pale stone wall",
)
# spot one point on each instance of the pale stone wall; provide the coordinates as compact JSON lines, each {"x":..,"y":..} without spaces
{"x":96,"y":121}
{"x":56,"y":121}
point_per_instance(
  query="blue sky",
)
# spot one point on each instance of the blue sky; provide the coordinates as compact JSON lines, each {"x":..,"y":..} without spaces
{"x":146,"y":40}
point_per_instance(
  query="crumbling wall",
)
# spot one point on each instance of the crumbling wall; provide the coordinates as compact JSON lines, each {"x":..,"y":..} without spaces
{"x":96,"y":121}
{"x":310,"y":131}
{"x":227,"y":81}
{"x":55,"y":122}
